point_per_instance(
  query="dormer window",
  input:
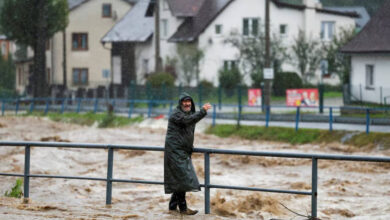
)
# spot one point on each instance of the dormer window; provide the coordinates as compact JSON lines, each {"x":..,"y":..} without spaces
{"x":106,"y":11}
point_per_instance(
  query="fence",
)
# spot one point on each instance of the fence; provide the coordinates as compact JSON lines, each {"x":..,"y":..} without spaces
{"x":222,"y":111}
{"x":207,"y":185}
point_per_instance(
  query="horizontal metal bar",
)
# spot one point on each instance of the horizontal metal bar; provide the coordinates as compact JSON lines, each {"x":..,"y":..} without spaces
{"x":259,"y":189}
{"x":293,"y":155}
{"x":202,"y":150}
{"x":137,"y":181}
{"x":11,"y":174}
{"x":67,"y":177}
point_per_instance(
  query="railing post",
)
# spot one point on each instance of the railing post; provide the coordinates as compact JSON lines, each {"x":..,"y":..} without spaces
{"x":367,"y":120}
{"x":219,"y":97}
{"x":63,"y":105}
{"x":214,"y":113}
{"x":150,"y":108}
{"x":330,"y":119}
{"x":239,"y":105}
{"x":17,"y":106}
{"x":131,"y":108}
{"x":109,"y":175}
{"x":95,"y":108}
{"x":297,"y":118}
{"x":78,"y":105}
{"x":170,"y":108}
{"x":207,"y":182}
{"x":32,"y":105}
{"x":314,"y":192}
{"x":47,"y":106}
{"x":267,"y":112}
{"x":26,"y":180}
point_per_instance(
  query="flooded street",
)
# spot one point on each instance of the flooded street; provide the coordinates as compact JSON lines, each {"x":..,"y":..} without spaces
{"x":353,"y":190}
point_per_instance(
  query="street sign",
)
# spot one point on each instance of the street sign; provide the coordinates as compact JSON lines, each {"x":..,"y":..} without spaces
{"x":268,"y":73}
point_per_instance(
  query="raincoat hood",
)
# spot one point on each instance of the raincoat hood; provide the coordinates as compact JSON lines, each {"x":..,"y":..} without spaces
{"x":183,"y":96}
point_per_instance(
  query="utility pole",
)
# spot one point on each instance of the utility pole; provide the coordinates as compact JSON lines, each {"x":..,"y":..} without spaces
{"x":267,"y":91}
{"x":157,"y":65}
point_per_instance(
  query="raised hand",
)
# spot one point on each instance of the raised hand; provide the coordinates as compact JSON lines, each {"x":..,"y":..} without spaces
{"x":207,"y":106}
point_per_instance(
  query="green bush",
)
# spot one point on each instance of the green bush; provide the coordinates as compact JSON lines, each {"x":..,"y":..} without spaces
{"x":257,"y":78}
{"x":229,"y":79}
{"x":16,"y":190}
{"x":157,"y":80}
{"x":285,"y":80}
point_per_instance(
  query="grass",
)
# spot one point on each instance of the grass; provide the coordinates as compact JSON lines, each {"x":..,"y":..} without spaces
{"x":302,"y":136}
{"x":16,"y":190}
{"x":103,"y":120}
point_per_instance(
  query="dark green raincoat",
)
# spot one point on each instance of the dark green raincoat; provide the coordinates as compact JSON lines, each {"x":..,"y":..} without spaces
{"x":179,"y":173}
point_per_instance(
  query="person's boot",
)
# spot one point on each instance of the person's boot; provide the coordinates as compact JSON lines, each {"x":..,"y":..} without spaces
{"x":184,"y":210}
{"x":173,"y":202}
{"x":188,"y":211}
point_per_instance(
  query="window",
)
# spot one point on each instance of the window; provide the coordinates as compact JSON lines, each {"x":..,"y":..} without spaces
{"x":145,"y":66}
{"x":369,"y":76}
{"x":283,"y":29}
{"x":324,"y":65}
{"x":164,"y":27}
{"x":165,"y":5}
{"x":218,"y":29}
{"x":327,"y":30}
{"x":80,"y":41}
{"x":48,"y":75}
{"x":106,"y":11}
{"x":80,"y":76}
{"x":250,"y":27}
{"x":229,"y":64}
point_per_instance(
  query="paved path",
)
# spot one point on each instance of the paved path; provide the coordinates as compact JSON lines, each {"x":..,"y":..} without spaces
{"x":324,"y":126}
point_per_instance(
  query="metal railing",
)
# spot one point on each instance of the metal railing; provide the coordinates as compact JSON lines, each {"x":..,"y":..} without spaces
{"x":207,"y":185}
{"x":165,"y":107}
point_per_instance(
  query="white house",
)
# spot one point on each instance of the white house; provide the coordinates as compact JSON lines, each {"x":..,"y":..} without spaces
{"x":75,"y":57}
{"x":370,"y":58}
{"x":207,"y":23}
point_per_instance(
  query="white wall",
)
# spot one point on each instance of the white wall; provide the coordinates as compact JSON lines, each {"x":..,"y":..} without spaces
{"x":381,"y":65}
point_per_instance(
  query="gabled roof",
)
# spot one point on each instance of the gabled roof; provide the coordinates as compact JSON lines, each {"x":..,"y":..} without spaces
{"x":135,"y":26}
{"x":185,"y":8}
{"x":375,"y":36}
{"x":364,"y":17}
{"x":72,"y":4}
{"x":192,"y":27}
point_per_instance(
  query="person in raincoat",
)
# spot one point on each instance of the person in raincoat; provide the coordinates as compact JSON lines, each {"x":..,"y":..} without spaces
{"x":179,"y":173}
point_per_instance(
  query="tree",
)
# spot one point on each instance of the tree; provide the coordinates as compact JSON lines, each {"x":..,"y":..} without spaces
{"x":308,"y":55}
{"x":7,"y":73}
{"x":189,"y":57}
{"x":252,"y":54}
{"x":338,"y":63}
{"x":32,"y":23}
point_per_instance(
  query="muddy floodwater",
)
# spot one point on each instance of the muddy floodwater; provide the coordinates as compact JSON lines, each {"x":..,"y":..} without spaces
{"x":346,"y":190}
